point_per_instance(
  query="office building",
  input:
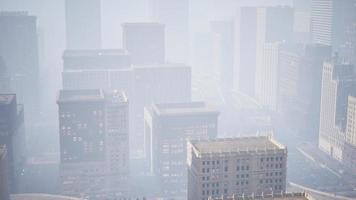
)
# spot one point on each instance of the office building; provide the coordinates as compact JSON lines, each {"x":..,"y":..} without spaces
{"x":174,"y":15}
{"x":310,"y":88}
{"x":83,"y":24}
{"x":12,"y":134}
{"x":338,"y":81}
{"x":333,"y":24}
{"x":167,"y":128}
{"x":19,"y":51}
{"x":236,"y":166}
{"x":266,"y":81}
{"x":166,"y":83}
{"x":108,"y":69}
{"x":4,"y":182}
{"x":282,"y":196}
{"x":349,"y":158}
{"x":225,"y":32}
{"x":94,"y":143}
{"x":146,"y":50}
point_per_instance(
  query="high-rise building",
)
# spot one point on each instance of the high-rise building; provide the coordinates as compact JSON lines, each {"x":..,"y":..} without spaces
{"x":349,"y":156}
{"x":174,"y":15}
{"x":267,"y":76}
{"x":225,"y":31}
{"x":146,"y":50}
{"x":333,"y":24}
{"x":167,"y":128}
{"x":236,"y":166}
{"x":274,"y":26}
{"x":19,"y":50}
{"x":167,"y":83}
{"x":4,"y":78}
{"x":12,"y":134}
{"x":94,"y":143}
{"x":310,"y":88}
{"x":83,"y":24}
{"x":338,"y":81}
{"x":97,"y":69}
{"x":245,"y":50}
{"x":4,"y":183}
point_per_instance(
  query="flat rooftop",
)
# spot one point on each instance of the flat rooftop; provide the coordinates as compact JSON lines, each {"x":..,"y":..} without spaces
{"x":236,"y":145}
{"x":175,"y":109}
{"x":142,"y":24}
{"x":80,"y":95}
{"x":95,"y":52}
{"x":283,"y":196}
{"x":7,"y":98}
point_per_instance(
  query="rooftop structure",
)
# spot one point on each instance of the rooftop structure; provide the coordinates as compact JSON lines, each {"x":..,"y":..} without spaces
{"x":80,"y":95}
{"x":7,"y":98}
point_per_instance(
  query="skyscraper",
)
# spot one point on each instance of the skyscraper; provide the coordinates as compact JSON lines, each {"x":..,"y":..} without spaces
{"x":167,"y":127}
{"x":236,"y":166}
{"x":12,"y":134}
{"x":4,"y":183}
{"x":94,"y":143}
{"x":338,"y":81}
{"x":146,"y":50}
{"x":19,"y":51}
{"x":349,"y":155}
{"x":83,"y":24}
{"x":174,"y":15}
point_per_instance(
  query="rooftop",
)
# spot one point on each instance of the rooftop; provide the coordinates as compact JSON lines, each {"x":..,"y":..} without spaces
{"x":174,"y":109}
{"x":7,"y":98}
{"x":235,"y":145}
{"x":117,"y":96}
{"x":284,"y":196}
{"x":40,"y":197}
{"x":80,"y":95}
{"x":164,"y":65}
{"x":95,"y":52}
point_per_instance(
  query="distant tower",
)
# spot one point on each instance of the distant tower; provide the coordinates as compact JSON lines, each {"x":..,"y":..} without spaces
{"x":167,"y":128}
{"x":338,"y":82}
{"x":83,"y":24}
{"x":145,"y":42}
{"x":236,"y":167}
{"x":19,"y":51}
{"x":94,"y":143}
{"x":12,"y":134}
{"x":174,"y":15}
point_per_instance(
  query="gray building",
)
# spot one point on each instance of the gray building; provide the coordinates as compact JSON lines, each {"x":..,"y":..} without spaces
{"x":94,"y":143}
{"x":236,"y":166}
{"x":167,"y":128}
{"x":145,"y":42}
{"x":12,"y":134}
{"x":4,"y":182}
{"x":19,"y":51}
{"x":83,"y":24}
{"x":338,"y":82}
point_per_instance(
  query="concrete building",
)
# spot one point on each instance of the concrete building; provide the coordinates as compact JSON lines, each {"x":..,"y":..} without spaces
{"x":236,"y":166}
{"x":4,"y":182}
{"x":167,"y":127}
{"x":146,"y":50}
{"x":333,"y":24}
{"x":19,"y":51}
{"x":154,"y":84}
{"x":174,"y":14}
{"x":283,"y":196}
{"x":83,"y":24}
{"x":94,"y":143}
{"x":12,"y":134}
{"x":349,"y":158}
{"x":108,"y":69}
{"x":339,"y":80}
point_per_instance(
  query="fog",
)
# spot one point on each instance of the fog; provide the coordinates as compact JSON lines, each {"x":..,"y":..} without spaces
{"x":124,"y":99}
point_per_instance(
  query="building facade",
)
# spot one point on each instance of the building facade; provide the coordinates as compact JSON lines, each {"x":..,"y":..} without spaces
{"x":4,"y":182}
{"x":167,"y":128}
{"x":83,"y":24}
{"x":349,"y":158}
{"x":12,"y":134}
{"x":338,"y":82}
{"x":94,"y":143}
{"x":144,"y":50}
{"x":236,"y":166}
